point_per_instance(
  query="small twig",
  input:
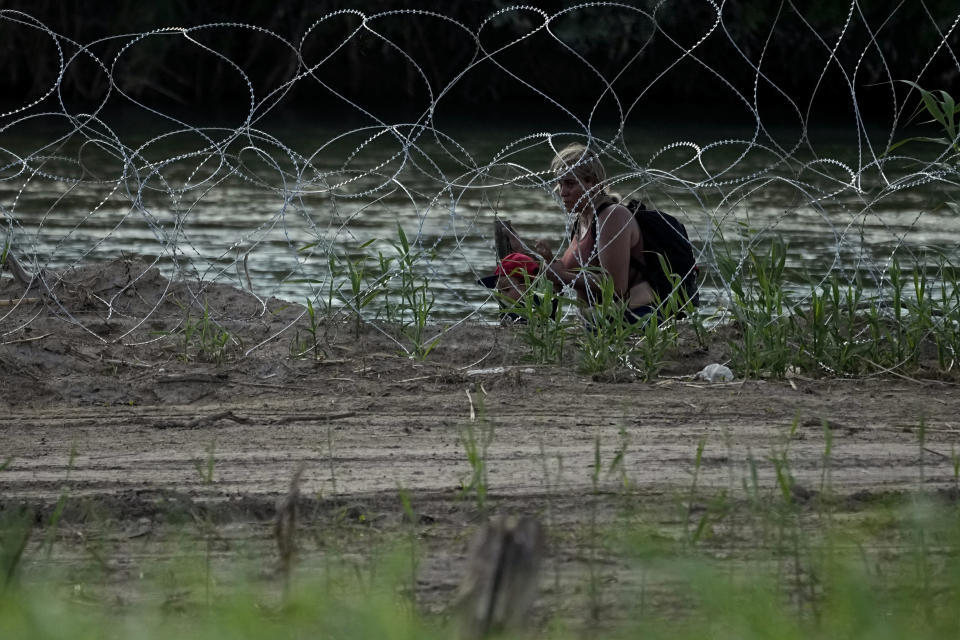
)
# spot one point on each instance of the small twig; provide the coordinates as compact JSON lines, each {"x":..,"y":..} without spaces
{"x":128,"y":363}
{"x":412,"y":379}
{"x":191,"y":378}
{"x":11,"y":301}
{"x":265,"y":385}
{"x":491,"y":370}
{"x":202,"y":421}
{"x":220,"y":415}
{"x":714,"y":385}
{"x":21,"y":340}
{"x":313,"y":417}
{"x":473,"y":415}
{"x":213,"y":379}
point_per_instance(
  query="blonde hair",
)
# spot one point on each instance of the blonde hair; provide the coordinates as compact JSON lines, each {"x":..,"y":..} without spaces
{"x":585,"y":165}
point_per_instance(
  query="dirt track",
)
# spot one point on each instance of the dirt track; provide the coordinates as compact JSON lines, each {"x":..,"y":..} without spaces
{"x":387,"y":435}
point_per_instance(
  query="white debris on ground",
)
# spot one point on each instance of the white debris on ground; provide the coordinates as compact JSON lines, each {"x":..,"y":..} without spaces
{"x":715,"y":373}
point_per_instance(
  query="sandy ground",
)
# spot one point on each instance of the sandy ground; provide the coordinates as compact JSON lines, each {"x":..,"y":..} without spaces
{"x":100,"y":404}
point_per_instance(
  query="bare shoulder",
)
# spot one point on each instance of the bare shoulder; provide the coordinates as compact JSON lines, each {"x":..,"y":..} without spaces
{"x":616,"y":217}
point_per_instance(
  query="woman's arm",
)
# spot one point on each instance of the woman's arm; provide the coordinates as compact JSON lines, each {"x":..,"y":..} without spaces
{"x":616,"y":234}
{"x":561,"y":270}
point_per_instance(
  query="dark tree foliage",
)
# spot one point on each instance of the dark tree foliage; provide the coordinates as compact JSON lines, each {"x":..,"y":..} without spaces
{"x":671,"y":54}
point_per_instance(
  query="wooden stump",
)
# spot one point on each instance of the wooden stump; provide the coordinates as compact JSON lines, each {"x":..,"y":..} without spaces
{"x":285,"y":528}
{"x":502,"y":575}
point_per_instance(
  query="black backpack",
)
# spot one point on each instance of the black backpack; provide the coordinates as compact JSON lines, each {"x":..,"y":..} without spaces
{"x":665,"y":236}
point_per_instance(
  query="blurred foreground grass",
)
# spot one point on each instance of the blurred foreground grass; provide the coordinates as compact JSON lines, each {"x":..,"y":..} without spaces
{"x":780,"y":564}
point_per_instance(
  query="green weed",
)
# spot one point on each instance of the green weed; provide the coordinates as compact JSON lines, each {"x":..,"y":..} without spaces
{"x":656,"y":340}
{"x":611,"y":340}
{"x":697,"y":463}
{"x":405,"y":298}
{"x":17,"y":526}
{"x":414,"y":298}
{"x":476,"y":436}
{"x":411,"y":517}
{"x":204,"y":338}
{"x":543,"y":328}
{"x":761,"y":311}
{"x":840,"y":329}
{"x":944,"y":109}
{"x":829,"y":336}
{"x":204,"y":521}
{"x":606,"y":341}
{"x":361,"y":292}
{"x":16,"y":529}
{"x":61,"y":504}
{"x":298,"y":347}
{"x":205,"y":468}
{"x":593,"y":584}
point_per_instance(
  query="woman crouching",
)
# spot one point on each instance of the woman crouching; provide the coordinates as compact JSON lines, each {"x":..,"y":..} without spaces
{"x":606,"y":239}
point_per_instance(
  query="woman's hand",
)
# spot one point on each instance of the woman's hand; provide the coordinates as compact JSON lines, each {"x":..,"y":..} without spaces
{"x":542,"y":248}
{"x":557,"y":273}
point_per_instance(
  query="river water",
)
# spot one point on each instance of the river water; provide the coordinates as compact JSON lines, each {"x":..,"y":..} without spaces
{"x":265,"y":207}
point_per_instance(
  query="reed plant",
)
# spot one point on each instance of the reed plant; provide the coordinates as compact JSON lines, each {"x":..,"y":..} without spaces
{"x":606,"y":341}
{"x":830,"y":336}
{"x":947,"y":314}
{"x":203,"y":338}
{"x":410,"y":516}
{"x":660,"y":333}
{"x":476,"y":436}
{"x":944,"y":110}
{"x":543,"y":324}
{"x":54,"y":522}
{"x":908,"y":325}
{"x":300,"y":347}
{"x":351,"y":282}
{"x":332,"y":289}
{"x":16,"y":530}
{"x":761,"y":310}
{"x":361,"y":291}
{"x":410,"y":312}
{"x":396,"y":283}
{"x":642,"y":344}
{"x":594,"y":593}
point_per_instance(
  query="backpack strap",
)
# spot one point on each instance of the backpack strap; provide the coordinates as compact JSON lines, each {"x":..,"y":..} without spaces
{"x":596,"y":221}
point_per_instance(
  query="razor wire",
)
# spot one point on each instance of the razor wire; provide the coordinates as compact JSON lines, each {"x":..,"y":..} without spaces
{"x":285,"y":214}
